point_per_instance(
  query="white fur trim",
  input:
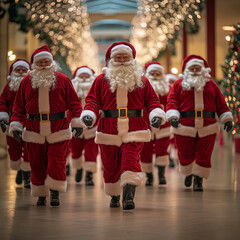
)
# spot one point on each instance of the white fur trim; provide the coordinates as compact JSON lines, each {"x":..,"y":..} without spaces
{"x":88,"y":113}
{"x":122,"y":126}
{"x":90,"y":166}
{"x":15,"y":126}
{"x":162,"y":133}
{"x":147,"y":167}
{"x":121,"y":48}
{"x":112,"y":189}
{"x":198,"y":105}
{"x":187,"y":169}
{"x":134,"y":178}
{"x":202,"y":172}
{"x":60,"y":136}
{"x":33,"y":137}
{"x":39,"y":190}
{"x":25,"y":166}
{"x":194,"y":61}
{"x":76,"y":122}
{"x":4,"y":116}
{"x":104,"y":69}
{"x":89,"y":133}
{"x":137,"y":136}
{"x":108,"y":139}
{"x":208,"y":130}
{"x":155,"y":67}
{"x":157,"y":112}
{"x":184,"y":130}
{"x":77,"y":162}
{"x":16,"y":165}
{"x":84,"y":70}
{"x":162,"y":160}
{"x":42,"y":55}
{"x":20,"y":63}
{"x":57,"y":185}
{"x":225,"y":117}
{"x":172,"y":114}
{"x":171,"y":77}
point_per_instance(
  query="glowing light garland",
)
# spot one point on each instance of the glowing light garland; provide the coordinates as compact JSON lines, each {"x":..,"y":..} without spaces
{"x":158,"y":21}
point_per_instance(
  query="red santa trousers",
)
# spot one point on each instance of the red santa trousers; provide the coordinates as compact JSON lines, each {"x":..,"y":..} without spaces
{"x":198,"y":149}
{"x":48,"y":161}
{"x":90,"y":148}
{"x":117,"y":160}
{"x":18,"y":154}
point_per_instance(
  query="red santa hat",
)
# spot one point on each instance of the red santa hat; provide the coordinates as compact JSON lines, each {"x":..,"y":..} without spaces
{"x":17,"y":63}
{"x":83,"y":69}
{"x":41,"y":53}
{"x":193,"y":60}
{"x":153,"y":66}
{"x":120,"y":47}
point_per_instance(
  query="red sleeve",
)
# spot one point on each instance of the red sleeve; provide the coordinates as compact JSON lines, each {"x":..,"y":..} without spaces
{"x":173,"y":101}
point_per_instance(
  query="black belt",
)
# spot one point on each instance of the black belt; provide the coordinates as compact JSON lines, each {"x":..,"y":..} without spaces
{"x":46,"y":117}
{"x":122,"y":113}
{"x":198,"y":114}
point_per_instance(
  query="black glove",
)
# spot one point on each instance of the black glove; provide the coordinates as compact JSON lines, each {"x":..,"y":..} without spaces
{"x":174,"y":122}
{"x":228,"y":126}
{"x":156,"y":122}
{"x":17,"y":135}
{"x":78,"y":131}
{"x":88,"y":121}
{"x":3,"y":124}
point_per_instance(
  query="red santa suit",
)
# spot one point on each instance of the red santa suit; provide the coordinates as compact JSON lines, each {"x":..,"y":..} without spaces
{"x":121,"y":136}
{"x":18,"y":157}
{"x":46,"y":130}
{"x":195,"y":108}
{"x":86,"y":141}
{"x":160,"y":137}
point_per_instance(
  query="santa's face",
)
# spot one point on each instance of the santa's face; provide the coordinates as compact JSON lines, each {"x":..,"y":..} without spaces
{"x":45,"y":62}
{"x":85,"y":77}
{"x":17,"y":76}
{"x":121,"y":58}
{"x":195,"y":70}
{"x":21,"y":70}
{"x":155,"y":75}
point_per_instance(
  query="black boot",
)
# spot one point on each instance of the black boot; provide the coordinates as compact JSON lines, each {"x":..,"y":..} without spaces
{"x":19,"y":177}
{"x":89,"y":179}
{"x":78,"y":176}
{"x":171,"y":163}
{"x":149,"y":181}
{"x":197,"y":186}
{"x":26,"y":178}
{"x":54,"y":198}
{"x":128,"y":195}
{"x":41,"y":201}
{"x":68,"y":169}
{"x":161,"y":170}
{"x":188,"y":180}
{"x":115,"y":202}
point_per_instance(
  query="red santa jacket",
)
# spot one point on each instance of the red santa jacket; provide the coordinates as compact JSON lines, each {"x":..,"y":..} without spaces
{"x":44,"y":100}
{"x":115,"y":131}
{"x":210,"y":99}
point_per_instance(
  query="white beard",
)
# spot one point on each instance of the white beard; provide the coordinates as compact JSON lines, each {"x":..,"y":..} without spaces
{"x":126,"y":75}
{"x":82,"y":86}
{"x":15,"y":80}
{"x":159,"y":84}
{"x":43,"y":77}
{"x":197,"y":82}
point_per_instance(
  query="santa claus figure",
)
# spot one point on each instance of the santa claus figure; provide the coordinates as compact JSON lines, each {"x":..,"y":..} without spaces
{"x":171,"y":78}
{"x":44,"y":96}
{"x":84,"y":150}
{"x":154,"y":71}
{"x":121,"y":93}
{"x":18,"y":157}
{"x":193,"y":104}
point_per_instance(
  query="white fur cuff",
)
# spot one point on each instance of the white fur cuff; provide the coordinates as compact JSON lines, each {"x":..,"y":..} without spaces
{"x":59,"y":185}
{"x":4,"y":116}
{"x":172,"y":114}
{"x":16,"y":165}
{"x":187,"y":169}
{"x":225,"y":117}
{"x":201,"y":171}
{"x":134,"y":178}
{"x":157,"y":112}
{"x":77,"y":163}
{"x":39,"y":190}
{"x":88,"y":113}
{"x":15,"y":126}
{"x":112,"y":189}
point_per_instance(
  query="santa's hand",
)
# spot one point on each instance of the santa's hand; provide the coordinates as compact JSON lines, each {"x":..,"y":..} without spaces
{"x":17,"y":135}
{"x":156,"y":122}
{"x":174,"y":122}
{"x":3,"y":124}
{"x":78,"y":131}
{"x":228,"y":126}
{"x":87,"y":121}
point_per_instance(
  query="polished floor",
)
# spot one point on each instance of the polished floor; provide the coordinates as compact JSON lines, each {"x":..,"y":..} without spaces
{"x":171,"y":212}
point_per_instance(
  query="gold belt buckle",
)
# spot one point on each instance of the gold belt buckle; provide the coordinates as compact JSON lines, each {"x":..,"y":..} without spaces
{"x":197,"y":111}
{"x":122,"y":113}
{"x":44,"y":116}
